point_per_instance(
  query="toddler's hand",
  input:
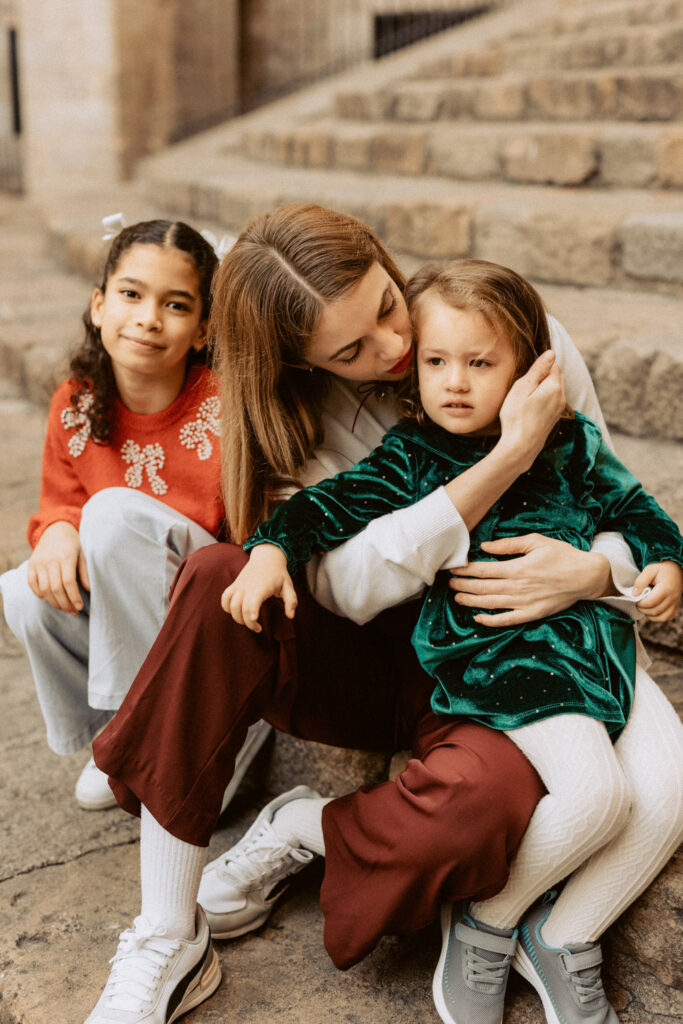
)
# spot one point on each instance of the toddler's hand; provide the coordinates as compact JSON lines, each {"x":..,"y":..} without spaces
{"x":265,"y":575}
{"x":666,"y":580}
{"x":55,"y":567}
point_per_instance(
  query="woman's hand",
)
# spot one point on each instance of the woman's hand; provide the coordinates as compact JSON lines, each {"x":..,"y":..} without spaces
{"x":55,"y":567}
{"x":265,"y":575}
{"x":531,"y":409}
{"x":666,"y":581}
{"x":548,"y":576}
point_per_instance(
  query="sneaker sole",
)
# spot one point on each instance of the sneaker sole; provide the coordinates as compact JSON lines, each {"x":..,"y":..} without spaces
{"x":100,"y":805}
{"x":244,"y":929}
{"x":437,"y":982}
{"x":523,"y":965}
{"x":208,"y":983}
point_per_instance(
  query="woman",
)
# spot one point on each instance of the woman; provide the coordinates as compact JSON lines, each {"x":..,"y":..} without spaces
{"x":308,"y":304}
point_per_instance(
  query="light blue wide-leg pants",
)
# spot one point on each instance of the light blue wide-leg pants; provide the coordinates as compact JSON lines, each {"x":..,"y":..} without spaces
{"x":84,"y":665}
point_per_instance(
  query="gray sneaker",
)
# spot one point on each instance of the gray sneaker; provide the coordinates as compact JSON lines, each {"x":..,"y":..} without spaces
{"x":568,"y":980}
{"x":472,"y":972}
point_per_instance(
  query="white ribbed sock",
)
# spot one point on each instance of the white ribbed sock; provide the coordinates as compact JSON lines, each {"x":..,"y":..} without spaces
{"x":300,"y":823}
{"x":170,"y":873}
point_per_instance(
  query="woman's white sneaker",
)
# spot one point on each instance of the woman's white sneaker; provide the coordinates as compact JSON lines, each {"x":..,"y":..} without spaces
{"x":93,"y":792}
{"x":240,"y":888}
{"x":154,"y":979}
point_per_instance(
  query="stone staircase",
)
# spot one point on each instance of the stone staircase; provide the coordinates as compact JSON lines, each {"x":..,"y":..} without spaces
{"x":548,"y":135}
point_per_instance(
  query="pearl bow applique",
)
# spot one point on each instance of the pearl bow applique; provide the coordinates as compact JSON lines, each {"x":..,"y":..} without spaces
{"x":195,"y":434}
{"x":150,"y":458}
{"x":77,"y":419}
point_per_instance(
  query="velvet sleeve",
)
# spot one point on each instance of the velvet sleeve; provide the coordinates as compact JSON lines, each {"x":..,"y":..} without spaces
{"x":321,"y":517}
{"x":626,"y":507}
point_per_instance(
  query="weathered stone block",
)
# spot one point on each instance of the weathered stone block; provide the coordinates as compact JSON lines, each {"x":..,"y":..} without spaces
{"x":664,"y":394}
{"x":653,"y":246}
{"x":558,"y":158}
{"x":360,"y":105}
{"x":353,"y":150}
{"x":399,"y":153}
{"x":620,"y":375}
{"x":627,"y":158}
{"x":648,"y":96}
{"x":669,"y":159}
{"x":330,"y":770}
{"x":470,"y":156}
{"x":569,"y":99}
{"x":547,"y":245}
{"x":419,"y":101}
{"x":460,"y":99}
{"x":499,"y":100}
{"x":314,"y":147}
{"x":430,"y":230}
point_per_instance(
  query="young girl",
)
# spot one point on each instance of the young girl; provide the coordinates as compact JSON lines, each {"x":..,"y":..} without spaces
{"x":560,"y":686}
{"x":130,"y":486}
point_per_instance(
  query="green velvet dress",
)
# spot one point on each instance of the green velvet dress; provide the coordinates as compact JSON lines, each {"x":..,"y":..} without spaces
{"x":581,"y":660}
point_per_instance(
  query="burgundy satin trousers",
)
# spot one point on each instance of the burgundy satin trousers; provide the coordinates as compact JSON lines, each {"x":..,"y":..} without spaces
{"x":444,"y":829}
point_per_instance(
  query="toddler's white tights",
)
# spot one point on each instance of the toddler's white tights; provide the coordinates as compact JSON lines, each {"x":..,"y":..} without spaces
{"x":615,"y":813}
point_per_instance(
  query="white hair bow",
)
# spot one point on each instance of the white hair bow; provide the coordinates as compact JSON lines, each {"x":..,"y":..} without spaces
{"x":220,"y":248}
{"x":112,"y":224}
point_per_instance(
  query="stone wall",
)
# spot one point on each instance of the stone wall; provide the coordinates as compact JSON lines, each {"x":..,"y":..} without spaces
{"x":111,"y":81}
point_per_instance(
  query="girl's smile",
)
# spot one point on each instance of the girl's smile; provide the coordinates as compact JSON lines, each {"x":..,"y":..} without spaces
{"x":150,"y":318}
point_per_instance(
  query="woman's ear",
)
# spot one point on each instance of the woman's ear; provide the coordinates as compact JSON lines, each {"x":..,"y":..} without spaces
{"x":96,"y":304}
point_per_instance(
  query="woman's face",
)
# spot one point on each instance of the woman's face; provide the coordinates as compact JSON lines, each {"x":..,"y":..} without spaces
{"x":365,"y":334}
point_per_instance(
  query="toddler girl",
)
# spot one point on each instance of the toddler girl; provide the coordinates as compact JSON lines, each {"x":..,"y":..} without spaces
{"x":565,"y":688}
{"x":130,"y":486}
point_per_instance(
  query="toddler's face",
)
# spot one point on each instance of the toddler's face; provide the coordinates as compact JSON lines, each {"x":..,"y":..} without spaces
{"x":465,"y":367}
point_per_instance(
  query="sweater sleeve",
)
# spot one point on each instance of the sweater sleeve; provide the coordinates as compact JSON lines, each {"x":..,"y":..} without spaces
{"x":62,"y":494}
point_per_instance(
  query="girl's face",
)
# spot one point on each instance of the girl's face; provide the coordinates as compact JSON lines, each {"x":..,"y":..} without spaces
{"x":365,"y":334}
{"x":150,"y":316}
{"x":465,"y":366}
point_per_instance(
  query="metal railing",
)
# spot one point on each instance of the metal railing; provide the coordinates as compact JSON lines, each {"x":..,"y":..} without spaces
{"x":288,"y":44}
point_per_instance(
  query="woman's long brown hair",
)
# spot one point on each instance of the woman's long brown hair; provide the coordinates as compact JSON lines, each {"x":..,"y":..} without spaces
{"x":269,"y":294}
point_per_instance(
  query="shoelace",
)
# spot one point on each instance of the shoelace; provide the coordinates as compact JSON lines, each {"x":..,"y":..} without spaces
{"x":588,"y":984}
{"x":138,"y":964}
{"x":488,"y":972}
{"x":254,"y":860}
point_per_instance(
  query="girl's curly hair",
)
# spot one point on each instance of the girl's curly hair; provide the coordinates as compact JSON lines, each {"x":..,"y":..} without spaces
{"x":90,"y":365}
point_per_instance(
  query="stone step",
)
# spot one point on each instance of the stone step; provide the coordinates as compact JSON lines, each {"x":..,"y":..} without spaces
{"x":635,"y":330}
{"x":594,"y":154}
{"x":575,"y":17}
{"x":617,"y":239}
{"x":632,"y":46}
{"x":643,"y":94}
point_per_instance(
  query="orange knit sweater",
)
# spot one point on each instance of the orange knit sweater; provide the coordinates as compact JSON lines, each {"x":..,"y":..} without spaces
{"x":173,"y":455}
